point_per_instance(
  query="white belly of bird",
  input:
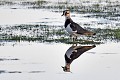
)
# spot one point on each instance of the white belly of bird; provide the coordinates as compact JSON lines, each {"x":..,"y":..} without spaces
{"x":69,"y":52}
{"x":69,"y":30}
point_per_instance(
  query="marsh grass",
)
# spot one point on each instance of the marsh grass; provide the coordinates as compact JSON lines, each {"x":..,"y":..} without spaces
{"x":109,"y":7}
{"x":46,"y":33}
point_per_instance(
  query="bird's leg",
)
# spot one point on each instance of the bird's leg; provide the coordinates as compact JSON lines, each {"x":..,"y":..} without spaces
{"x":70,"y":38}
{"x":75,"y":38}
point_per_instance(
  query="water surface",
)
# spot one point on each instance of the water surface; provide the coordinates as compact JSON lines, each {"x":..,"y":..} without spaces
{"x":30,"y":61}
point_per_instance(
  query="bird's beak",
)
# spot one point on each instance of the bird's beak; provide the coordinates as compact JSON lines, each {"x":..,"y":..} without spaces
{"x":62,"y":66}
{"x":62,"y":15}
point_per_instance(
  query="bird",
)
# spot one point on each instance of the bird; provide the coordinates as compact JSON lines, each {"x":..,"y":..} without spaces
{"x":73,"y":53}
{"x":73,"y":28}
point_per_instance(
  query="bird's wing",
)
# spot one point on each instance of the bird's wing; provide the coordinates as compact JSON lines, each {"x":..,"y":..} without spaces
{"x":77,"y":28}
{"x":78,"y":52}
{"x":74,"y":55}
{"x":68,"y":60}
{"x":73,"y":27}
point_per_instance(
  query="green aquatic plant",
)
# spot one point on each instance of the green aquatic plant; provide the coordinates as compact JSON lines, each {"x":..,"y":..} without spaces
{"x":47,"y":33}
{"x":117,"y":34}
{"x":40,"y":2}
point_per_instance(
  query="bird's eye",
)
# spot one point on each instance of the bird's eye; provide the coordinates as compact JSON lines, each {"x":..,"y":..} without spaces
{"x":67,"y":13}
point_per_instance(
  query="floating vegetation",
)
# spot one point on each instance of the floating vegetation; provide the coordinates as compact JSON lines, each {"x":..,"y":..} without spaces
{"x":4,"y":71}
{"x":99,"y":9}
{"x":6,"y":3}
{"x":46,"y":33}
{"x":5,"y":59}
{"x":109,"y":7}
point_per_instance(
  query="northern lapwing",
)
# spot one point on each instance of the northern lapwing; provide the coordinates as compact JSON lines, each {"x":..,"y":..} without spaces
{"x":73,"y":28}
{"x":73,"y":53}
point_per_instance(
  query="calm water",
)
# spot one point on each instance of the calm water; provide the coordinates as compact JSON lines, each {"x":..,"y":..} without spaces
{"x":33,"y":61}
{"x":47,"y":17}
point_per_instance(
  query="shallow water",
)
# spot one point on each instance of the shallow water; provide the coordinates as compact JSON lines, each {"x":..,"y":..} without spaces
{"x":47,"y":17}
{"x":28,"y":16}
{"x":33,"y":61}
{"x":31,"y":23}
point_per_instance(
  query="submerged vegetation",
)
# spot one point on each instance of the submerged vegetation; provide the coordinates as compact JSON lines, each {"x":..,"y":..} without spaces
{"x":98,"y":6}
{"x":45,"y":33}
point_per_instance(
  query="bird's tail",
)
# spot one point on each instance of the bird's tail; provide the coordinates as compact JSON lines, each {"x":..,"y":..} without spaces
{"x":89,"y":33}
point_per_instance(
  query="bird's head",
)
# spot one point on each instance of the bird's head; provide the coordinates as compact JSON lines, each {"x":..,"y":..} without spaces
{"x":66,"y":13}
{"x":65,"y":69}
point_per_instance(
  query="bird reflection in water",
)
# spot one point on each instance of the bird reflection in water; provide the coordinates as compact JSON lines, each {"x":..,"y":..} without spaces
{"x":73,"y":53}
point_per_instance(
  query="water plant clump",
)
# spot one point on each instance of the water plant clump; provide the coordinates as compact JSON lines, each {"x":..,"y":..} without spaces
{"x":47,"y":33}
